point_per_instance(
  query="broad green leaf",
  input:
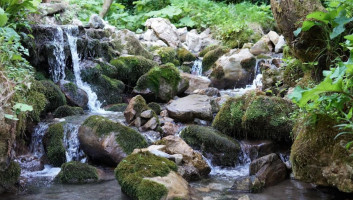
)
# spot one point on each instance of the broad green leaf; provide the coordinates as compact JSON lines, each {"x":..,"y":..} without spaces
{"x":22,"y":107}
{"x":296,"y":95}
{"x":3,"y":17}
{"x":337,"y":31}
{"x":349,"y":37}
{"x":307,"y":25}
{"x":187,"y":21}
{"x":320,"y":16}
{"x":297,"y":32}
{"x":11,"y":117}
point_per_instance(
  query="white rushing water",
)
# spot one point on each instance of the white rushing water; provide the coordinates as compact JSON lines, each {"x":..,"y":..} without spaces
{"x":93,"y":103}
{"x":57,"y":61}
{"x":197,"y":68}
{"x":36,"y":146}
{"x":72,"y":144}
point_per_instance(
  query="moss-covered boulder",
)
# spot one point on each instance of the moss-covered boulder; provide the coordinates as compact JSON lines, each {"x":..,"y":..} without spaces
{"x":207,"y":49}
{"x":185,"y":56}
{"x":160,"y":83}
{"x":317,"y":157}
{"x":64,"y":111}
{"x":109,"y":90}
{"x":293,"y":72}
{"x":116,"y":107}
{"x":54,"y":95}
{"x":131,"y":68}
{"x":255,"y":116}
{"x":225,"y":151}
{"x":77,"y":173}
{"x":9,"y":176}
{"x":37,"y":99}
{"x":212,"y":56}
{"x":144,"y":176}
{"x":167,"y":54}
{"x":107,"y":142}
{"x":155,"y":107}
{"x":53,"y":144}
{"x":74,"y":95}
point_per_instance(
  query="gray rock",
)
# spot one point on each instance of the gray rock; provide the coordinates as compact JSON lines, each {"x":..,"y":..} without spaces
{"x":195,"y":82}
{"x":165,"y":30}
{"x":264,"y":45}
{"x":274,"y":37}
{"x":147,"y":114}
{"x":281,"y":43}
{"x":95,"y":21}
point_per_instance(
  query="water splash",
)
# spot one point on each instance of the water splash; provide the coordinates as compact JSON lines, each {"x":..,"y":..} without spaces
{"x":197,"y":68}
{"x":93,"y":104}
{"x":36,"y":146}
{"x":57,"y":61}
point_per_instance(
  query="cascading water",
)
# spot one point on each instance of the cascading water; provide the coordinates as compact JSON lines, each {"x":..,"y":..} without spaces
{"x":93,"y":104}
{"x":57,"y":60}
{"x":72,"y":144}
{"x":36,"y":146}
{"x":197,"y":68}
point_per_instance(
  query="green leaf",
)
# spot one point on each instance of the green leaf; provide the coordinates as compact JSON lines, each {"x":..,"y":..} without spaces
{"x":320,"y":16}
{"x":296,"y":95}
{"x":11,"y":117}
{"x":349,"y":37}
{"x":3,"y":17}
{"x":187,"y":21}
{"x":307,"y":25}
{"x":22,"y":107}
{"x":297,"y":32}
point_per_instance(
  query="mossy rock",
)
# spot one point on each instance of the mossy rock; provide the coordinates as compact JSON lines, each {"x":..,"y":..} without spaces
{"x":37,"y":99}
{"x":97,"y":130}
{"x":155,"y":107}
{"x":64,"y":111}
{"x":255,"y":116}
{"x":53,"y":144}
{"x":162,"y":82}
{"x":318,"y":157}
{"x":74,"y":95}
{"x":108,"y":90}
{"x":212,"y":56}
{"x":167,"y":54}
{"x":77,"y":173}
{"x":131,"y":172}
{"x":185,"y":56}
{"x":10,"y":175}
{"x":225,"y":150}
{"x":117,"y":107}
{"x":54,"y":95}
{"x":292,"y":73}
{"x":131,"y":68}
{"x":207,"y":49}
{"x":185,"y":68}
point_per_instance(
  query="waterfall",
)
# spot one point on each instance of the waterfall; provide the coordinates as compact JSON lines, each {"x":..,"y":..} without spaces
{"x":93,"y":104}
{"x":36,"y":146}
{"x":197,"y":68}
{"x":57,"y":61}
{"x":72,"y":144}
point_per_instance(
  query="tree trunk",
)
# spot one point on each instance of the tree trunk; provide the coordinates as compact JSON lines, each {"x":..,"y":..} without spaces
{"x":289,"y":15}
{"x":105,"y":8}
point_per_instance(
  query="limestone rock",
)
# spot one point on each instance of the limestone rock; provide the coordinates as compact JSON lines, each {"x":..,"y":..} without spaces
{"x":165,"y":30}
{"x":195,"y":82}
{"x":274,"y":37}
{"x":95,"y":21}
{"x":264,"y":45}
{"x":74,"y":95}
{"x":281,"y":43}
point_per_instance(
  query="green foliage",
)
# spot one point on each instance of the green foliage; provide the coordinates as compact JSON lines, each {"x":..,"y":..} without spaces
{"x":76,"y":172}
{"x":131,"y":171}
{"x":54,"y":145}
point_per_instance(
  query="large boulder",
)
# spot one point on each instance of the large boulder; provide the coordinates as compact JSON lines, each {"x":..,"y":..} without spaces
{"x":165,"y":30}
{"x":193,"y":165}
{"x":74,"y":95}
{"x":255,"y":116}
{"x":264,"y":45}
{"x":195,"y":82}
{"x":9,"y":176}
{"x":317,"y":157}
{"x":107,"y":142}
{"x":233,"y":70}
{"x":160,"y":83}
{"x":131,"y":68}
{"x":146,"y":176}
{"x":77,"y":173}
{"x":188,"y":108}
{"x":221,"y":149}
{"x":53,"y":144}
{"x":140,"y":115}
{"x":212,"y":56}
{"x":269,"y":169}
{"x":54,"y":95}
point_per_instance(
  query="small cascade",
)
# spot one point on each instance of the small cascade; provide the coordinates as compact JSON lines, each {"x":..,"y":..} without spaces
{"x":226,"y":172}
{"x":197,"y":68}
{"x":57,"y":61}
{"x":72,"y":144}
{"x":36,"y":146}
{"x":93,"y":103}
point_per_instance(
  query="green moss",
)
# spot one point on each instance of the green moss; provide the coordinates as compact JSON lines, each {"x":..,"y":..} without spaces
{"x":293,"y":72}
{"x":37,"y":99}
{"x":126,"y":137}
{"x":150,"y":190}
{"x":54,"y":95}
{"x":185,"y":56}
{"x":155,"y":107}
{"x":152,"y":80}
{"x":186,"y":69}
{"x":64,"y":111}
{"x":121,"y":107}
{"x":207,"y":49}
{"x":71,"y":87}
{"x":10,"y":175}
{"x":167,"y":54}
{"x":54,"y":145}
{"x":40,"y":76}
{"x":225,"y":150}
{"x":131,"y":171}
{"x":76,"y":172}
{"x":212,"y":56}
{"x":131,"y":68}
